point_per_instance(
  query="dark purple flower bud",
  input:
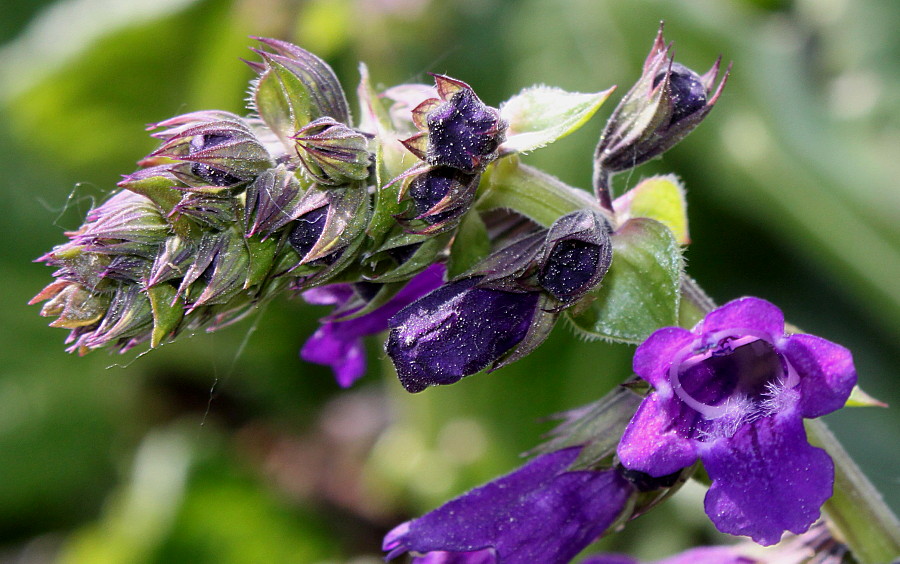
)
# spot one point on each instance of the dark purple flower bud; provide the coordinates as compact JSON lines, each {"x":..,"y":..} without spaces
{"x":440,"y":196}
{"x":664,"y":105}
{"x":733,"y":392}
{"x":307,"y":230}
{"x":460,"y":131}
{"x":566,"y":260}
{"x":688,"y":94}
{"x":541,"y":512}
{"x":221,"y":149}
{"x":457,"y":330}
{"x":576,"y":255}
{"x":332,"y":153}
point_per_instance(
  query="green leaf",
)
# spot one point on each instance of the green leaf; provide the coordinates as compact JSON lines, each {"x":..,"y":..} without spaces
{"x":540,"y":115}
{"x":470,"y":245}
{"x":168,"y":310}
{"x":640,"y":293}
{"x":660,"y":198}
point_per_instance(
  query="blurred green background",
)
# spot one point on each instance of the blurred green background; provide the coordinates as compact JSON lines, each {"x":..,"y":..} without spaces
{"x":227,"y":448}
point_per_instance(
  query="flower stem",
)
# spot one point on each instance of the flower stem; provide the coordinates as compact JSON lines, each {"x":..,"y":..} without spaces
{"x":856,"y":511}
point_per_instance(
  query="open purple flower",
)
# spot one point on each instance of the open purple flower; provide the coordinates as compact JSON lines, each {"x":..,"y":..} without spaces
{"x":538,"y":513}
{"x":339,"y":344}
{"x":734,"y":392}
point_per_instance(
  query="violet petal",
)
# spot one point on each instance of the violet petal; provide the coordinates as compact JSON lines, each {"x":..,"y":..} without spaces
{"x":653,"y":357}
{"x":345,"y":354}
{"x":826,"y":370}
{"x":655,"y":440}
{"x":749,"y":313}
{"x":767,"y":479}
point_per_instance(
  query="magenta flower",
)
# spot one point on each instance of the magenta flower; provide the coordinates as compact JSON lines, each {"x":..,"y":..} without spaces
{"x":734,"y":392}
{"x":538,"y":513}
{"x":339,"y":344}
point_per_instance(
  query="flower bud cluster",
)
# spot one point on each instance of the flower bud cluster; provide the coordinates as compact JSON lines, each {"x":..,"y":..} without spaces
{"x":225,"y":213}
{"x":459,"y":136}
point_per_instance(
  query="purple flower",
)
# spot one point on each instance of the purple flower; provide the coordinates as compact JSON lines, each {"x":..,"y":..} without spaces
{"x":700,"y":555}
{"x":538,"y":513}
{"x":457,"y":330}
{"x":339,"y":344}
{"x":734,"y":392}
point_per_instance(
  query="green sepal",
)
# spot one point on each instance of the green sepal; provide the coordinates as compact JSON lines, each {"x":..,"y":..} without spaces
{"x":509,"y":184}
{"x":640,"y":293}
{"x":540,"y":115}
{"x":168,"y":311}
{"x":262,"y":257}
{"x":470,"y":245}
{"x":429,"y":247}
{"x":597,"y":427}
{"x":859,"y":398}
{"x":158,"y":189}
{"x":660,"y":198}
{"x":283,"y":100}
{"x":229,"y":270}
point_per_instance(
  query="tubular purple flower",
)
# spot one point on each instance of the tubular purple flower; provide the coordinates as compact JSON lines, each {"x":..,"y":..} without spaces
{"x":734,"y":392}
{"x":539,"y":513}
{"x":338,"y":343}
{"x":457,"y":330}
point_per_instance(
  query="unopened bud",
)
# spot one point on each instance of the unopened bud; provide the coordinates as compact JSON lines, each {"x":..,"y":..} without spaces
{"x":332,"y":153}
{"x":665,"y":104}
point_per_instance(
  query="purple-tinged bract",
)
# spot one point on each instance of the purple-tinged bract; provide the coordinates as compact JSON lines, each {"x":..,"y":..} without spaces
{"x":664,"y":105}
{"x":734,"y":392}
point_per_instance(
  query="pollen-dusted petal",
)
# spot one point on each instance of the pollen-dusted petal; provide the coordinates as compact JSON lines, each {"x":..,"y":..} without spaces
{"x":826,"y":371}
{"x":539,"y":513}
{"x":654,"y":356}
{"x":767,"y":479}
{"x":656,"y":439}
{"x":748,"y":313}
{"x":455,"y":331}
